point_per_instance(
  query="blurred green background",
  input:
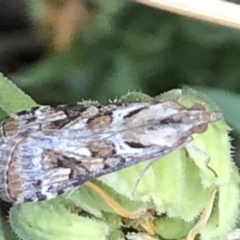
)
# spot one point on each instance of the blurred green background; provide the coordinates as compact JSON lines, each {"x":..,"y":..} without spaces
{"x":64,"y":51}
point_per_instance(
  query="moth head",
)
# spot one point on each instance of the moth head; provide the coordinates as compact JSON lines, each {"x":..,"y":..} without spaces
{"x":205,"y":117}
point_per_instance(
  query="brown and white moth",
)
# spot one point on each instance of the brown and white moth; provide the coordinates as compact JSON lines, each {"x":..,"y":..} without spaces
{"x":48,"y":151}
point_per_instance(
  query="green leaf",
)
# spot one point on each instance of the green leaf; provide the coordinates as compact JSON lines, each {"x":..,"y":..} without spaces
{"x":12,"y":99}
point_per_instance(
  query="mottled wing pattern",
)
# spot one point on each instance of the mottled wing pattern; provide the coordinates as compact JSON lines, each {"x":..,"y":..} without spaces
{"x":50,"y":150}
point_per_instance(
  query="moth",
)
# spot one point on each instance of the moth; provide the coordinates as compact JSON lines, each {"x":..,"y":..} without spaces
{"x":48,"y":151}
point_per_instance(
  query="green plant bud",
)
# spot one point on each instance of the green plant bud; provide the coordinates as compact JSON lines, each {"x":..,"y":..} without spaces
{"x":180,"y":184}
{"x":179,"y":191}
{"x":92,"y":202}
{"x":51,"y":220}
{"x":176,"y":189}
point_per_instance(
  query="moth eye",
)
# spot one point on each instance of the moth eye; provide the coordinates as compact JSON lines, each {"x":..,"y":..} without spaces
{"x":198,"y":106}
{"x":201,"y":128}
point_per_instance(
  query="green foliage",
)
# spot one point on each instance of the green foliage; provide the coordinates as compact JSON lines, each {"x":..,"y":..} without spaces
{"x":30,"y":221}
{"x":126,"y":46}
{"x":184,"y":169}
{"x":12,"y":99}
{"x":85,"y":215}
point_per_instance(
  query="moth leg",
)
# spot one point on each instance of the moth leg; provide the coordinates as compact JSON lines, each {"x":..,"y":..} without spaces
{"x":120,"y":210}
{"x":185,"y":142}
{"x":141,"y":176}
{"x":198,"y":228}
{"x":206,"y":157}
